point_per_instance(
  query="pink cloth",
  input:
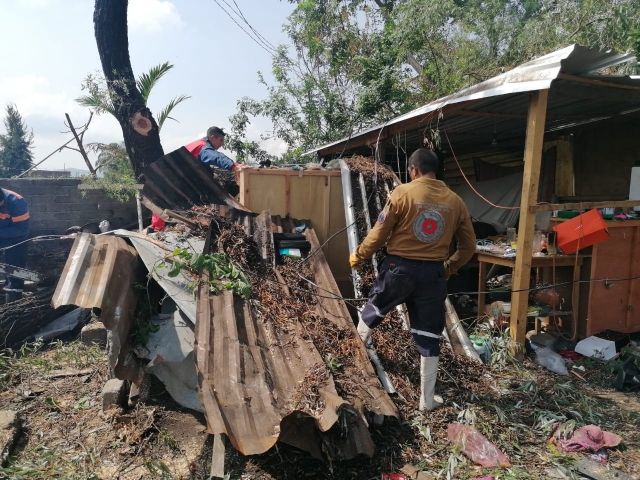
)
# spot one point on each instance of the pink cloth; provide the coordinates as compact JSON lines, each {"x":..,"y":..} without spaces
{"x":590,"y":438}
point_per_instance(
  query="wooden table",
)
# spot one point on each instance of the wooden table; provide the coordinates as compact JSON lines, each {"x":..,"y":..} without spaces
{"x":546,"y":261}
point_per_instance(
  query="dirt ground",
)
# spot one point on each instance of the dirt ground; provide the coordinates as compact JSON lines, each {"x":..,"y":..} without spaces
{"x":56,"y":389}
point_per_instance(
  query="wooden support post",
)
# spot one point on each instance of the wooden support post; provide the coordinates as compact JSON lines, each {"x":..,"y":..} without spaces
{"x":565,"y":177}
{"x":380,"y":152}
{"x":532,"y":161}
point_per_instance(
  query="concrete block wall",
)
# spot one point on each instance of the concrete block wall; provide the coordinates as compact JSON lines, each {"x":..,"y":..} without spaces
{"x":56,"y":204}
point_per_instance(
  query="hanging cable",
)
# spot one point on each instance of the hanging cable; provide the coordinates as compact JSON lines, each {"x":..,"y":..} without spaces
{"x":469,"y":183}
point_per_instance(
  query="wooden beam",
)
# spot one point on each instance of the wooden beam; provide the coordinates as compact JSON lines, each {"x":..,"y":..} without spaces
{"x":599,"y":83}
{"x":551,"y":207}
{"x":532,"y":162}
{"x":565,"y":177}
{"x":217,"y":457}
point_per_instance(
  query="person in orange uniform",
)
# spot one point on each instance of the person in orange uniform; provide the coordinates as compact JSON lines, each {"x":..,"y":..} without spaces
{"x":14,"y":230}
{"x":418,"y":224}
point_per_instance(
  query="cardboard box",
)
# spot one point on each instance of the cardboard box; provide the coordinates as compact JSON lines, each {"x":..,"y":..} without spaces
{"x":581,"y":232}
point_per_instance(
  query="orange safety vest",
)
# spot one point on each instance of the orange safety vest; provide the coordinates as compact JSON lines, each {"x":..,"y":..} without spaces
{"x":195,"y":147}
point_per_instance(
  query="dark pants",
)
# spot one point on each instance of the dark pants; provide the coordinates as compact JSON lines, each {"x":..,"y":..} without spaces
{"x":16,"y":256}
{"x":422,"y":287}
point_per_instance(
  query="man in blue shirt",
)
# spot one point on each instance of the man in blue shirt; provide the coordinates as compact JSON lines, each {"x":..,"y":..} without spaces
{"x":206,"y":150}
{"x":14,"y":230}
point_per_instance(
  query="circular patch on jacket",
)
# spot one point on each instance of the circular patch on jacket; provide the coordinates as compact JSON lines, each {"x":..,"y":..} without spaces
{"x":428,"y":226}
{"x":382,"y":217}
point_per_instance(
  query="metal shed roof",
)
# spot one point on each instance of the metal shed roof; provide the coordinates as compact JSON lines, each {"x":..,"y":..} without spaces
{"x":500,"y":103}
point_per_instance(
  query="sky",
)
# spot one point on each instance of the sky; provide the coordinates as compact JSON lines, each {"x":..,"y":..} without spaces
{"x":48,"y":48}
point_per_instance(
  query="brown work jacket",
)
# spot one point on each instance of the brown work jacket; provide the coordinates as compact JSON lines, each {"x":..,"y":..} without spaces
{"x":419,"y":221}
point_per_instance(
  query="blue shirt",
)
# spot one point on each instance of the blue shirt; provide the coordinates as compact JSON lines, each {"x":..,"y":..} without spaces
{"x":14,"y":216}
{"x":210,"y":156}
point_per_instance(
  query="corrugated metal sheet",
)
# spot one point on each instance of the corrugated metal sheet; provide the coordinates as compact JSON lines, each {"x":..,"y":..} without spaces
{"x":178,"y":180}
{"x":248,"y":379}
{"x":100,"y":273}
{"x":508,"y":94}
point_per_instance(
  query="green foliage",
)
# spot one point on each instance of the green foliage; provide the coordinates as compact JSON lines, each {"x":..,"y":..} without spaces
{"x":100,"y":93}
{"x":224,"y":274}
{"x":16,"y":145}
{"x":349,"y":67}
{"x":116,"y":175}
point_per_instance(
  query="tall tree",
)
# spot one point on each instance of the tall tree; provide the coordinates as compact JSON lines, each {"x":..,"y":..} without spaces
{"x":353,"y":62}
{"x":16,"y":145}
{"x":139,"y":128}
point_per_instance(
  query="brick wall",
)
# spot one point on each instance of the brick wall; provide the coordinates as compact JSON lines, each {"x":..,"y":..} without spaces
{"x":56,"y":204}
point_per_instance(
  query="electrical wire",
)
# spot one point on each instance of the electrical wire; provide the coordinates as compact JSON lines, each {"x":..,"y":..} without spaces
{"x":42,"y":237}
{"x":469,"y":183}
{"x":243,"y":29}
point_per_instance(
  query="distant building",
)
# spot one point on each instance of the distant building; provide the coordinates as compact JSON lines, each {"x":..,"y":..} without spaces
{"x":49,"y":174}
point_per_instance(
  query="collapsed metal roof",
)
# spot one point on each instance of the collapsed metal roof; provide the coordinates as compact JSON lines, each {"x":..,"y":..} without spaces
{"x":179,"y":180}
{"x":100,"y":273}
{"x":500,"y":104}
{"x":244,"y":379}
{"x":248,"y":379}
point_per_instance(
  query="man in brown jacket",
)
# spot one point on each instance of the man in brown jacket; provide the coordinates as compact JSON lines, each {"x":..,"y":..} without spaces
{"x":418,"y":223}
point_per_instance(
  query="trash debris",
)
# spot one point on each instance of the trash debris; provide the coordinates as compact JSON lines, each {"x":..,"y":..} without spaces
{"x":604,"y":345}
{"x":64,"y":324}
{"x":590,"y":438}
{"x":393,"y":476}
{"x":476,"y":446}
{"x":550,"y":360}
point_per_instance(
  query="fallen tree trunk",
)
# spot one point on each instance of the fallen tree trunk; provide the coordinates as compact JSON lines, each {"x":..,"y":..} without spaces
{"x":22,"y":319}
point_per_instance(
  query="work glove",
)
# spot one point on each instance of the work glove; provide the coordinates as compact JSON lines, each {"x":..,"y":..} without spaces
{"x":447,"y":271}
{"x":355,"y":262}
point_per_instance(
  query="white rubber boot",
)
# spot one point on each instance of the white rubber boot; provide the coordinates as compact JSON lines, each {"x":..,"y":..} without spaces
{"x":428,"y":375}
{"x":364,"y":331}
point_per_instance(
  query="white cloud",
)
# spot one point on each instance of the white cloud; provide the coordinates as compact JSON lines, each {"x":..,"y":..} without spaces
{"x":43,"y":110}
{"x":152,"y":15}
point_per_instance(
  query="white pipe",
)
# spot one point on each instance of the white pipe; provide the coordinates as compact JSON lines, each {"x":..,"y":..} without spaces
{"x":139,"y":206}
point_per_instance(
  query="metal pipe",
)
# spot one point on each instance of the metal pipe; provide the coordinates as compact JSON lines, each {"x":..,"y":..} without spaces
{"x":139,"y":207}
{"x":458,"y":337}
{"x":367,"y":217}
{"x":352,"y":230}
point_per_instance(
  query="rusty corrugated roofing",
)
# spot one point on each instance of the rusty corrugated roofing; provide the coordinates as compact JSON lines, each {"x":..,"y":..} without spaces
{"x":100,"y":273}
{"x":249,"y":373}
{"x":179,"y":181}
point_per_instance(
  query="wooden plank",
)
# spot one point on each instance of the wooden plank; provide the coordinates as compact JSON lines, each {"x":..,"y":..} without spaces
{"x":267,"y":193}
{"x":550,"y":207}
{"x":308,"y":202}
{"x":217,"y":457}
{"x":287,"y":171}
{"x":532,"y":162}
{"x":565,"y":176}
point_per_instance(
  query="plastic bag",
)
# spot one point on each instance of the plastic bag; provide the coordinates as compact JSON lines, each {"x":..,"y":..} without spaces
{"x":476,"y":446}
{"x":551,"y":360}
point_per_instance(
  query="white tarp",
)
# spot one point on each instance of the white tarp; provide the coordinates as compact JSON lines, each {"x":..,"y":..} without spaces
{"x":503,"y":191}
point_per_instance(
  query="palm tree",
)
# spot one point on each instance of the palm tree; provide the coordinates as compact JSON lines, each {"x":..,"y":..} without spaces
{"x":99,"y":97}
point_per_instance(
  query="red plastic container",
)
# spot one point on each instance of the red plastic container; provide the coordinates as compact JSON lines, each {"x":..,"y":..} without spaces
{"x":393,"y":476}
{"x":581,"y":232}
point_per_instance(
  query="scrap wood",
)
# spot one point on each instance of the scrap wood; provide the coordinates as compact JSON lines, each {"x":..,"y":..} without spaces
{"x":19,"y":320}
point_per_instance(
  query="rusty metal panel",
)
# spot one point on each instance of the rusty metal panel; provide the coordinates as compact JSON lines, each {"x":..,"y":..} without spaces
{"x":100,"y":273}
{"x":249,"y":372}
{"x":180,"y":181}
